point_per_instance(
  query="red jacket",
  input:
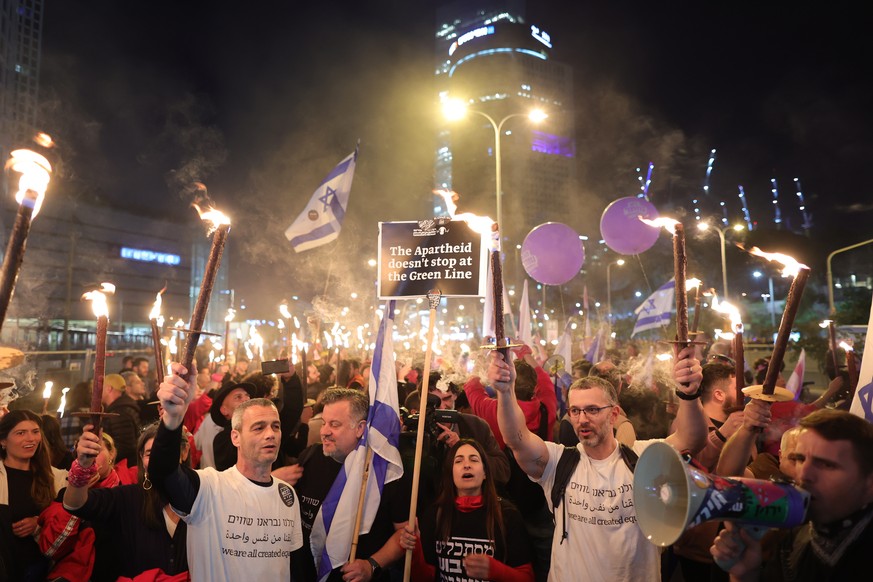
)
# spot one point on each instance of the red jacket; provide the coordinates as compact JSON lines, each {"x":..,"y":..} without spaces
{"x":196,"y":411}
{"x":485,"y":406}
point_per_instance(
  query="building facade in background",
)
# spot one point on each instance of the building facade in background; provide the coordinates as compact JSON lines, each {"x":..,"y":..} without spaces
{"x":20,"y":47}
{"x":76,"y":245}
{"x":490,"y":57}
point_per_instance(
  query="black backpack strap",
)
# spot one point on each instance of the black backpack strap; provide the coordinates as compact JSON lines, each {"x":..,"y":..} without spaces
{"x":628,"y":455}
{"x":563,"y":471}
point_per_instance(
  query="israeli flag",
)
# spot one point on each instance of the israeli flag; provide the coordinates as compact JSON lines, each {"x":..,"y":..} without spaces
{"x":321,"y":220}
{"x":332,"y":532}
{"x":862,"y":401}
{"x":657,"y":309}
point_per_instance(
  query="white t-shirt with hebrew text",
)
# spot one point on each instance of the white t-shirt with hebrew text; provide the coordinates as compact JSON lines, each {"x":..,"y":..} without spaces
{"x":239,"y":530}
{"x":604,"y":542}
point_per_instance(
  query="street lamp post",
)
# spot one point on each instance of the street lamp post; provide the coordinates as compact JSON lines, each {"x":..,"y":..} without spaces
{"x":768,"y":297}
{"x":721,"y":231}
{"x":831,"y":274}
{"x":455,"y":110}
{"x":619,"y":262}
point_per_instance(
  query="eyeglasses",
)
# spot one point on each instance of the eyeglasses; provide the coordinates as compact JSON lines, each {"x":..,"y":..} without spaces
{"x":590,"y":411}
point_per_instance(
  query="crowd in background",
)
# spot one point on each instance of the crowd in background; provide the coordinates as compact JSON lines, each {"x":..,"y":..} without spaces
{"x":470,"y":479}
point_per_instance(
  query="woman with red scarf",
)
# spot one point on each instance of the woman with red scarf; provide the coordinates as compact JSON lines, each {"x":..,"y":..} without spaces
{"x":469,"y":532}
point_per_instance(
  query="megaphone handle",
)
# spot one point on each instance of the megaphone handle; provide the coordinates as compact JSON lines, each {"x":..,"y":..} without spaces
{"x":756,"y":531}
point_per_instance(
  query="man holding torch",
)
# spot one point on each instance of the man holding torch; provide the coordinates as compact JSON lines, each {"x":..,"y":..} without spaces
{"x":243,"y":523}
{"x":593,"y":508}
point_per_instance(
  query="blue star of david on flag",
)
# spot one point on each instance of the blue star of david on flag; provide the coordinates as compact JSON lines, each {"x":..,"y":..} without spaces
{"x":656,"y":310}
{"x":321,"y":220}
{"x":329,"y":195}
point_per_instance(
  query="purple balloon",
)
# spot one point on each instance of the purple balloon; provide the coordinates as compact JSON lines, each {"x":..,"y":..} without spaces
{"x":552,"y":253}
{"x":622,"y":229}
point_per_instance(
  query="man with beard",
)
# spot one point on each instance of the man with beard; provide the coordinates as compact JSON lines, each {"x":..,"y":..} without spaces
{"x":595,"y":514}
{"x":345,"y":421}
{"x":834,"y":464}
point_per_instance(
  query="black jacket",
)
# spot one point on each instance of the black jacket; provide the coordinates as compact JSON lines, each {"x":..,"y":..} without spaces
{"x":124,"y":428}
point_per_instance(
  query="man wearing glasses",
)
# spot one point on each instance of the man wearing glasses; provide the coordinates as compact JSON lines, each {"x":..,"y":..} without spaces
{"x":596,"y":533}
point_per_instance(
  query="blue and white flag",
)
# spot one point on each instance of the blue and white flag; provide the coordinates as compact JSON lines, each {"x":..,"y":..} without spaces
{"x":332,"y":532}
{"x":657,"y":309}
{"x":321,"y":220}
{"x":593,"y":353}
{"x":563,"y":378}
{"x":862,"y":402}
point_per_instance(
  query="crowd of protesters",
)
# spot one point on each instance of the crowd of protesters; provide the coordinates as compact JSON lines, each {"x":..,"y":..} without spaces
{"x":528,"y":474}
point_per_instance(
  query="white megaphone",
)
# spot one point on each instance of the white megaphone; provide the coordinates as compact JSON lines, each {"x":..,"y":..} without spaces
{"x":670,"y":495}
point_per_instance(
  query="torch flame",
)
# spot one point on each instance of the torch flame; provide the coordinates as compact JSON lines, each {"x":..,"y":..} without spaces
{"x":63,"y":404}
{"x":667,"y":223}
{"x":692,"y":283}
{"x":790,"y":266}
{"x":231,"y":313}
{"x":283,"y":311}
{"x":35,"y":173}
{"x":98,"y":299}
{"x":155,"y":313}
{"x":47,"y":391}
{"x":731,"y":311}
{"x":824,"y":324}
{"x":480,"y":224}
{"x":213,"y":216}
{"x":846,"y":347}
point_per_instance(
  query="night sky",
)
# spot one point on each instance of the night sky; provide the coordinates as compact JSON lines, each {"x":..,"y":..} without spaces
{"x":259,"y":101}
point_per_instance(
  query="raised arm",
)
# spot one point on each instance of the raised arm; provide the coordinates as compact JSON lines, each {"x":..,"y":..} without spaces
{"x":734,"y":457}
{"x":179,"y":486}
{"x":83,"y":469}
{"x":529,"y":449}
{"x":690,"y":423}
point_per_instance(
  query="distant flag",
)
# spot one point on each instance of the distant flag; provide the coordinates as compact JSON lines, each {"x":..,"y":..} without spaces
{"x":321,"y":220}
{"x":862,"y":403}
{"x":656,"y":309}
{"x":593,"y":354}
{"x":565,"y":350}
{"x":524,"y":325}
{"x":332,"y":531}
{"x":795,"y":382}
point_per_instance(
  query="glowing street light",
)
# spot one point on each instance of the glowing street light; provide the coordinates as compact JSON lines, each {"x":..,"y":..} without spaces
{"x":455,"y":109}
{"x":737,"y":227}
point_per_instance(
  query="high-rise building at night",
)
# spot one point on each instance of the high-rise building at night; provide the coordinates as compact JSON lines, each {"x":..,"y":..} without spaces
{"x":20,"y":46}
{"x":490,"y":57}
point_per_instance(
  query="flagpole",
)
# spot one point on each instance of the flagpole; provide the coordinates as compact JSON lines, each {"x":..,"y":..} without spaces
{"x":433,"y":298}
{"x":360,"y":514}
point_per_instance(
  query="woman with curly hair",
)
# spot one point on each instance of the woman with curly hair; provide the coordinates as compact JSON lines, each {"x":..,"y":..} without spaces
{"x":469,"y":532}
{"x":28,"y":484}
